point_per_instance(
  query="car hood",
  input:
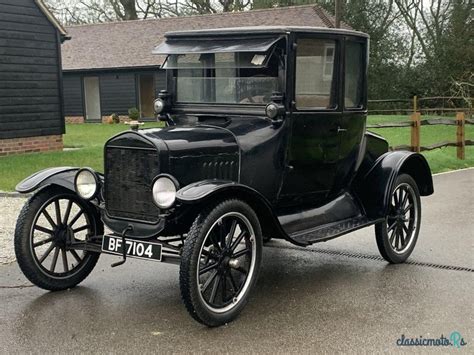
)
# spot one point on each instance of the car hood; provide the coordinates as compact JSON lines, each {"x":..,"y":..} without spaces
{"x":197,"y":152}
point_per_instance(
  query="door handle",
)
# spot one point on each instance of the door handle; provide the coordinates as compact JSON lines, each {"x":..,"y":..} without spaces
{"x":341,"y":130}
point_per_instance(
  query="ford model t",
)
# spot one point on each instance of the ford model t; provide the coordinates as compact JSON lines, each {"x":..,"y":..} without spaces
{"x":264,"y":138}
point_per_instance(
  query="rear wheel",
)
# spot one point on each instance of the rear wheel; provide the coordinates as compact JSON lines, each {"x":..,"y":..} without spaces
{"x":48,"y":223}
{"x":220,"y":262}
{"x":397,"y":235}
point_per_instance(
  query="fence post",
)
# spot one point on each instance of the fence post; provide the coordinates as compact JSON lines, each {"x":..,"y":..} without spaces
{"x":415,"y":132}
{"x":415,"y":104}
{"x":460,"y":136}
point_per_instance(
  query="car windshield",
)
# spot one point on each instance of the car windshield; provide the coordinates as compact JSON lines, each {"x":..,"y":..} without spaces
{"x":225,"y":78}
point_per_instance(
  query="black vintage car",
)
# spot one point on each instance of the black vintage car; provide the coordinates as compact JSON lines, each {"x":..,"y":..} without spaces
{"x":265,"y":138}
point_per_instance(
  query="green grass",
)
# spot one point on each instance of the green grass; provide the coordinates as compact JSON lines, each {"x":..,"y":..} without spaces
{"x":90,"y":138}
{"x":440,"y":160}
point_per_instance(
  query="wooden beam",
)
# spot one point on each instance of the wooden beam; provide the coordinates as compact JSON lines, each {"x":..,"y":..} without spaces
{"x":460,"y":136}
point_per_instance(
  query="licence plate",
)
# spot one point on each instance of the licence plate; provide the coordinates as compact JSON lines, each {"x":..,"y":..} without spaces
{"x":133,"y":248}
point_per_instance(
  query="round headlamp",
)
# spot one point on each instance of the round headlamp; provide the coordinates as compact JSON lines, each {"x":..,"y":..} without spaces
{"x":164,"y":192}
{"x":272,"y":110}
{"x":159,"y":106}
{"x":86,"y":184}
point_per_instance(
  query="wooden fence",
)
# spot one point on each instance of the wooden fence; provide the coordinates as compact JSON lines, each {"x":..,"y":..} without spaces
{"x":416,"y":122}
{"x":434,"y":105}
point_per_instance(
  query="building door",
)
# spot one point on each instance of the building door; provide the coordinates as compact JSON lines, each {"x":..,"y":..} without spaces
{"x":147,"y":95}
{"x":92,"y":98}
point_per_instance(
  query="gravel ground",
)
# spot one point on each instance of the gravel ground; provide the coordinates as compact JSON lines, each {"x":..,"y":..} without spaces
{"x":9,"y":209}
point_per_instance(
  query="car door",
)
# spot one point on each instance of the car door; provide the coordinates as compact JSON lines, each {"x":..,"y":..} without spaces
{"x":313,"y":151}
{"x":352,"y":124}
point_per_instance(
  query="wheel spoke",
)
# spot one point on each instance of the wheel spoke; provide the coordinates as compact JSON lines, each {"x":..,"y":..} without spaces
{"x":394,"y":232}
{"x":76,"y":217}
{"x":405,"y":228}
{"x":57,"y":208}
{"x":402,"y":238}
{"x":45,"y":255}
{"x":400,"y":194}
{"x":44,"y":230}
{"x":405,"y":199}
{"x":43,"y":242}
{"x":397,"y":238}
{"x":222,"y":234}
{"x":66,"y":266}
{"x":407,"y":208}
{"x":240,"y":253}
{"x":48,"y":217}
{"x":232,"y":281}
{"x":214,"y":242}
{"x":80,"y":229}
{"x":68,"y":211}
{"x":232,"y":232}
{"x":238,"y":240}
{"x":208,"y":281}
{"x":75,"y":255}
{"x":208,"y":268}
{"x":55,"y":259}
{"x":395,"y":203}
{"x":214,"y":289}
{"x":392,"y":226}
{"x":223,"y":287}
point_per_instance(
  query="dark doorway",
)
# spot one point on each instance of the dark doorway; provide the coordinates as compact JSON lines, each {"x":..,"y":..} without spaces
{"x":147,"y":94}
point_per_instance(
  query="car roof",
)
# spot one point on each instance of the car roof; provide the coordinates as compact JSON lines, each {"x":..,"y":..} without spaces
{"x":262,"y":30}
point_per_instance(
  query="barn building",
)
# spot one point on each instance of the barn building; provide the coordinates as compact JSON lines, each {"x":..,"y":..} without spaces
{"x":31,"y":103}
{"x":109,"y":68}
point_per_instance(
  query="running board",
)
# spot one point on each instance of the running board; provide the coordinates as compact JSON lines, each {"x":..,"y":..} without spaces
{"x":330,"y":231}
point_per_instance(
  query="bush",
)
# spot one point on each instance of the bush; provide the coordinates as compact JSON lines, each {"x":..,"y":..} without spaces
{"x":115,"y":118}
{"x":134,"y":114}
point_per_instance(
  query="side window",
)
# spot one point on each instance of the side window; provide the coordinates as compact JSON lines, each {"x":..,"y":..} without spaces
{"x":315,"y":81}
{"x":354,"y":75}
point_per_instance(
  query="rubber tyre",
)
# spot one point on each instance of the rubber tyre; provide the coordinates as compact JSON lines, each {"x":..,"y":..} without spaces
{"x":189,"y":261}
{"x":24,"y":255}
{"x":381,"y":235}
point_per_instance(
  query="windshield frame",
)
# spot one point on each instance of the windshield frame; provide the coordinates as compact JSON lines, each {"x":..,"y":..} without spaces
{"x":280,"y":49}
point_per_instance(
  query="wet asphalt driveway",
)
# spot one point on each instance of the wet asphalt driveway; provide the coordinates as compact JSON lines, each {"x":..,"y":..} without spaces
{"x":337,"y":296}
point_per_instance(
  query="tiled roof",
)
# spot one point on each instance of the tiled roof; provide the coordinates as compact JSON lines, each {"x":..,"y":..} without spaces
{"x":129,"y":44}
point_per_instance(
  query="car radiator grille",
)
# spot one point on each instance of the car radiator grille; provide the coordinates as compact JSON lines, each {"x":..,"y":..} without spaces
{"x":129,"y":174}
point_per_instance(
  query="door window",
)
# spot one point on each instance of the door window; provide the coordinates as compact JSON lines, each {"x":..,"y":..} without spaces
{"x":354,"y":75}
{"x":315,"y":82}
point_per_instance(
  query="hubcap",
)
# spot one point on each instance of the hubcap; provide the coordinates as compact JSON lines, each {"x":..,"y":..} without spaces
{"x":226,"y":262}
{"x":402,"y":220}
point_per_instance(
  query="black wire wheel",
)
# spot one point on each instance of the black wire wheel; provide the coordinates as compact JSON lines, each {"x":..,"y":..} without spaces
{"x":220,"y":262}
{"x":49,"y":223}
{"x":397,"y":235}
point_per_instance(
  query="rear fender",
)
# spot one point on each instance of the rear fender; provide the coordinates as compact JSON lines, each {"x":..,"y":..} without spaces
{"x":374,"y":187}
{"x":61,"y":176}
{"x":204,"y":192}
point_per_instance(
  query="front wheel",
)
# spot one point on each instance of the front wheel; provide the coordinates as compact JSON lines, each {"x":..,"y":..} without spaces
{"x":48,"y":224}
{"x":397,"y":235}
{"x":220,"y":262}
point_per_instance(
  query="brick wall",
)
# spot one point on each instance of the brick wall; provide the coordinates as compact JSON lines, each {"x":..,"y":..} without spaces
{"x":74,"y":119}
{"x":30,"y":144}
{"x":123,"y":119}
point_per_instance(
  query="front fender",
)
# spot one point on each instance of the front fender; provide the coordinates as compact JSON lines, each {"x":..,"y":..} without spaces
{"x":374,"y":187}
{"x":62,"y":176}
{"x":203,"y":191}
